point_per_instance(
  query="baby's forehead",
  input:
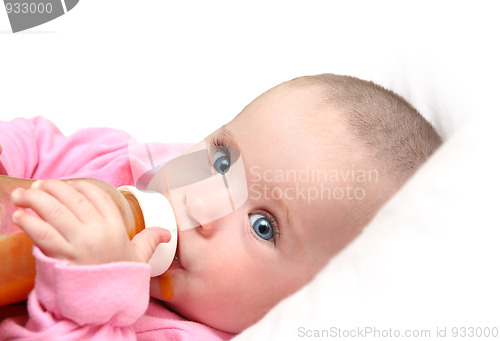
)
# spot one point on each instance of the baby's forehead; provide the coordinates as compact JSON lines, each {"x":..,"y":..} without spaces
{"x":295,"y":114}
{"x":301,"y":96}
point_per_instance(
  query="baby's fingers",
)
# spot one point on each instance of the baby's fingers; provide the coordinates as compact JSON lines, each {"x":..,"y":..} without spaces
{"x":51,"y":210}
{"x":42,"y":234}
{"x":99,"y":199}
{"x":72,"y":199}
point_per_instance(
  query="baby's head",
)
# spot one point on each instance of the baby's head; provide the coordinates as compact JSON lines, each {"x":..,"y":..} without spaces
{"x":321,"y":155}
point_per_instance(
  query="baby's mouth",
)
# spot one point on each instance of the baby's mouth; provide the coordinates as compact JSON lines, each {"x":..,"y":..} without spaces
{"x":176,"y":264}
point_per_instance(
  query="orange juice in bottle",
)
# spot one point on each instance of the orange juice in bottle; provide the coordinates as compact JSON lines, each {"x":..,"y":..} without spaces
{"x":139,"y":210}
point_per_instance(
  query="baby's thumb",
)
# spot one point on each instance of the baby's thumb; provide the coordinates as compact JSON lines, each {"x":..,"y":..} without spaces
{"x":148,"y":239}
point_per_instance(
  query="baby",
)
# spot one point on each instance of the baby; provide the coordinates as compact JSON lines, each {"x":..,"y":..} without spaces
{"x":321,"y":155}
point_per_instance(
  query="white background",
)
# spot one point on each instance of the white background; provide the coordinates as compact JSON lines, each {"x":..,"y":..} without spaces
{"x":177,"y":70}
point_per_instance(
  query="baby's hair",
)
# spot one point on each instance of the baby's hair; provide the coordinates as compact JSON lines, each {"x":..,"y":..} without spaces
{"x":398,"y":139}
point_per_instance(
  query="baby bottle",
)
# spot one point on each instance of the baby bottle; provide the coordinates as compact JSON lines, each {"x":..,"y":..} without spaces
{"x":139,"y":210}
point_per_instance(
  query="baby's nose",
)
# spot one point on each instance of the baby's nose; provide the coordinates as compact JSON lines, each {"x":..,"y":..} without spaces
{"x":196,"y":207}
{"x":207,"y":205}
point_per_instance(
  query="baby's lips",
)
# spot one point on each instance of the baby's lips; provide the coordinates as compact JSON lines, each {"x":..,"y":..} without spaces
{"x":176,"y":263}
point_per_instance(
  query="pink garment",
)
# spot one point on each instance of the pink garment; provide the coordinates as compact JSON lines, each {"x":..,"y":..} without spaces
{"x":99,"y":302}
{"x":36,"y":149}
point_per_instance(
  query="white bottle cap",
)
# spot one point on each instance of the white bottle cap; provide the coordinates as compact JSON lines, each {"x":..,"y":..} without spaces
{"x":157,"y":212}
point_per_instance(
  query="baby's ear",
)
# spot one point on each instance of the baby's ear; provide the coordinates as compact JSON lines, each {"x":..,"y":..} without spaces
{"x":25,"y":15}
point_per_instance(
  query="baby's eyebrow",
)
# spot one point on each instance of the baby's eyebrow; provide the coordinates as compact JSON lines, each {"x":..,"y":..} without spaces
{"x":291,"y":228}
{"x":227,"y":136}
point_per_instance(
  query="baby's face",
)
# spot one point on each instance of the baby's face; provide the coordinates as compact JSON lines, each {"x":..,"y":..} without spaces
{"x":231,"y":271}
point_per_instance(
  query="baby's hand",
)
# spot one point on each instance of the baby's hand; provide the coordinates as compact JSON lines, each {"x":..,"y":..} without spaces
{"x":78,"y":222}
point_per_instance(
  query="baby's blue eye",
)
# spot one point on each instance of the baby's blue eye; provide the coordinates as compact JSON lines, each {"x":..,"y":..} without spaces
{"x":222,"y":162}
{"x":262,"y":226}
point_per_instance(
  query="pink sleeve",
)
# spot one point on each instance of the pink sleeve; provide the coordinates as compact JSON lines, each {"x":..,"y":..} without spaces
{"x":36,"y":149}
{"x":95,"y":302}
{"x":19,"y":155}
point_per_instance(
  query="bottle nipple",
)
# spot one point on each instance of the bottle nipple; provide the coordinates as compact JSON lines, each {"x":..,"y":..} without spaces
{"x":157,"y":212}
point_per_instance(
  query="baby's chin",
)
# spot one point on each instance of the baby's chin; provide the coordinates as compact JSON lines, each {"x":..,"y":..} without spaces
{"x":231,"y":318}
{"x":229,"y":322}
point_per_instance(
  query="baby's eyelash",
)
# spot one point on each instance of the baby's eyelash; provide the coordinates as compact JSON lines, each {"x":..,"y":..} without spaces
{"x":273,"y":221}
{"x":219,"y":144}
